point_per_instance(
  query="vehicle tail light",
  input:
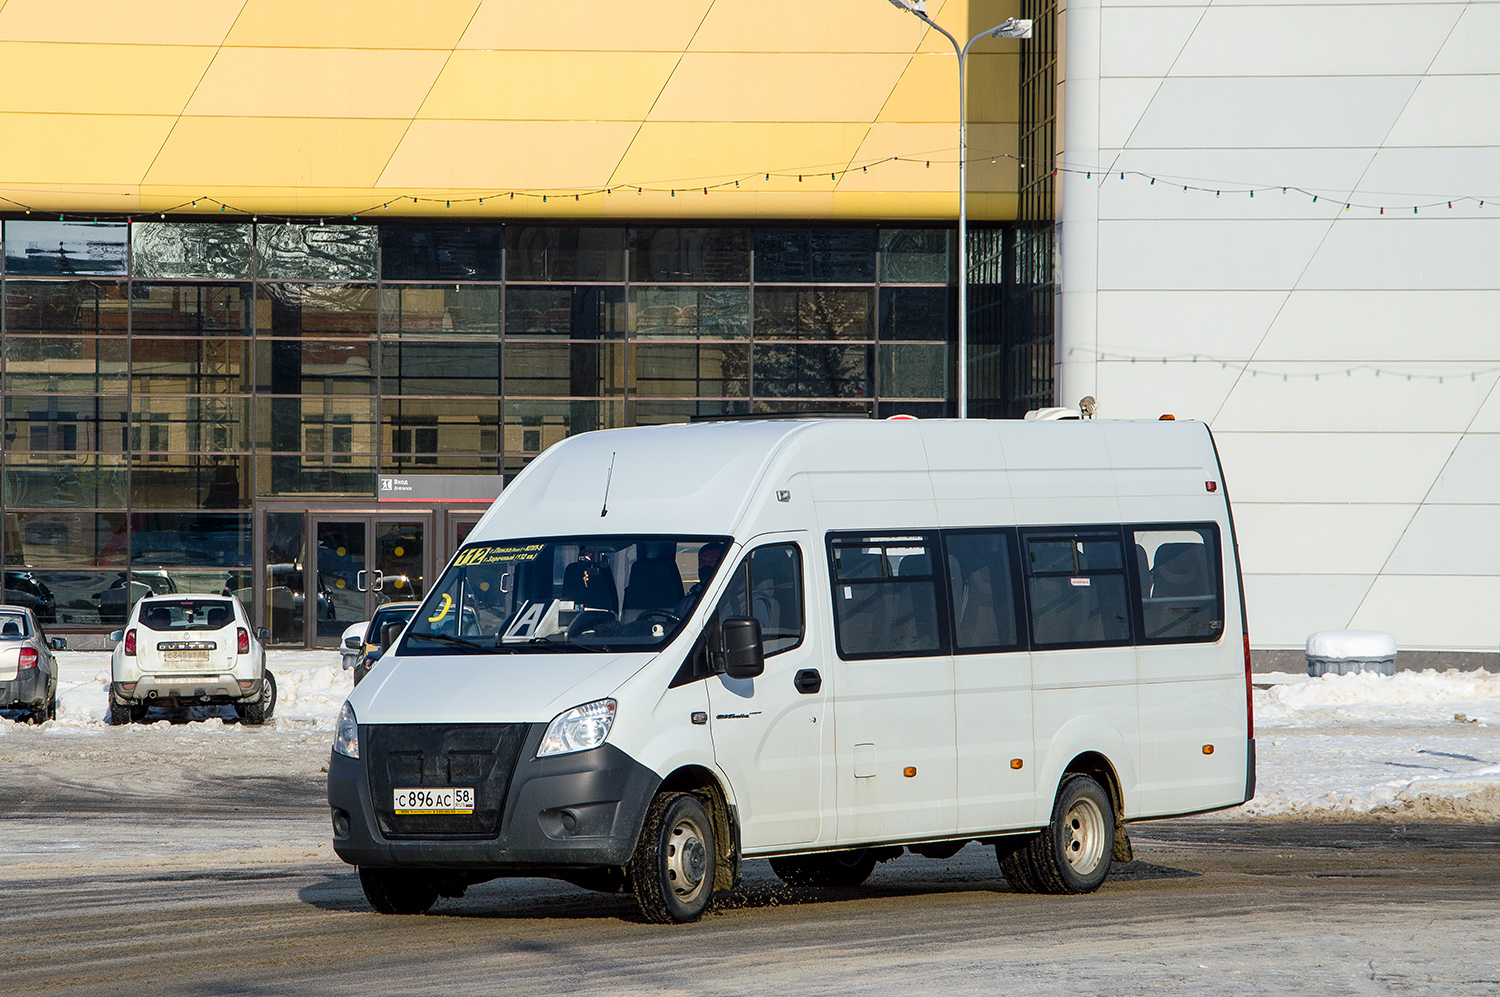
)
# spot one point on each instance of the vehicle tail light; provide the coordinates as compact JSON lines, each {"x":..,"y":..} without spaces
{"x":130,"y":642}
{"x":127,"y":687}
{"x":1249,"y":694}
{"x":247,"y":686}
{"x":243,"y":637}
{"x":28,"y":658}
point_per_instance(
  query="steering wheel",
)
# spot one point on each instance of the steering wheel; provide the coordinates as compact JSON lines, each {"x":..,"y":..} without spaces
{"x":664,"y":615}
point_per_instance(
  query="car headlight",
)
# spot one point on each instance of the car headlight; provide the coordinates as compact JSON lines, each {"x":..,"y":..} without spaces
{"x":346,"y":734}
{"x":579,"y":729}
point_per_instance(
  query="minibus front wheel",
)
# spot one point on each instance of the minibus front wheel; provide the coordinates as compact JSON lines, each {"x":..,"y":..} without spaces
{"x":674,"y":865}
{"x":398,"y":891}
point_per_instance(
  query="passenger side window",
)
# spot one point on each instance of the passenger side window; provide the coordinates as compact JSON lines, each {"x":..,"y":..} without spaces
{"x":885,"y":601}
{"x":981,"y":571}
{"x":1076,"y":585}
{"x":1178,"y":581}
{"x":767,"y":585}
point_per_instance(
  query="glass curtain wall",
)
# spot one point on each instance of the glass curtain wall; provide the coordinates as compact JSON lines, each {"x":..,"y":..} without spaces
{"x":157,"y":378}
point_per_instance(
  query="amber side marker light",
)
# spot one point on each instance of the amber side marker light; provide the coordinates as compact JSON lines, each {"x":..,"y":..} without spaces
{"x":1208,"y":749}
{"x":1167,"y":417}
{"x":910,"y":772}
{"x":1016,"y":763}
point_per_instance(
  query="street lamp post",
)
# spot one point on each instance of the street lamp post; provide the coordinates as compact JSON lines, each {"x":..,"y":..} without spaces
{"x":1010,"y":28}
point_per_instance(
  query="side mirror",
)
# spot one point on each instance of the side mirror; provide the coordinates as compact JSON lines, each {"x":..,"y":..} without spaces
{"x":740,"y":648}
{"x":58,"y":643}
{"x":354,"y":643}
{"x":263,"y":634}
{"x":389,"y":633}
{"x":117,"y":635}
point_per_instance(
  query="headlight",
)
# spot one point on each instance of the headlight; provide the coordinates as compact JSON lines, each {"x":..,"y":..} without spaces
{"x":579,"y":729}
{"x":346,"y":735}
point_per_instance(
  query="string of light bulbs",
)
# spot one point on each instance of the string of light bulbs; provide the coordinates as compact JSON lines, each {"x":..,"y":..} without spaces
{"x":1348,"y":371}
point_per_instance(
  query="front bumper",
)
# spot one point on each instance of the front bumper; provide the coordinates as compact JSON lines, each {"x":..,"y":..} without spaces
{"x":569,"y":812}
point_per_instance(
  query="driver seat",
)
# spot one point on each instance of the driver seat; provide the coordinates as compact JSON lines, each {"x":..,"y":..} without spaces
{"x":655,"y":583}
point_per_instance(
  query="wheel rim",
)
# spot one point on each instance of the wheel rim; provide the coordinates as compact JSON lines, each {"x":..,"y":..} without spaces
{"x":687,"y":859}
{"x":1083,"y":836}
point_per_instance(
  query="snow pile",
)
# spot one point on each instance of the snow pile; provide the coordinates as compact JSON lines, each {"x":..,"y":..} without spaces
{"x":311,"y":686}
{"x":1410,"y":746}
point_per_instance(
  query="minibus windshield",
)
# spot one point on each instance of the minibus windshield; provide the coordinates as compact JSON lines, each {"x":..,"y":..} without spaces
{"x":565,"y":594}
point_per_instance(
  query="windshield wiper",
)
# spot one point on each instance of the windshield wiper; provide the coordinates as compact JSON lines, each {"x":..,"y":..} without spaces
{"x":451,"y":641}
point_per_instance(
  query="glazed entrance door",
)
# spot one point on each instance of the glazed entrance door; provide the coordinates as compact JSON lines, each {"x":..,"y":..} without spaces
{"x":360,"y":562}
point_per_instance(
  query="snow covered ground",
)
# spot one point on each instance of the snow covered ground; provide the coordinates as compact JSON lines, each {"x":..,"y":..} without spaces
{"x":1412,"y":746}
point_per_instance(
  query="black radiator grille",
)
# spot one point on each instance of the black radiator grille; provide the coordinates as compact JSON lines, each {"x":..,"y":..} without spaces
{"x":406,"y":756}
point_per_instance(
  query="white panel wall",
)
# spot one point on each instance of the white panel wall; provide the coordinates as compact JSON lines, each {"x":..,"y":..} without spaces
{"x":1347,"y":359}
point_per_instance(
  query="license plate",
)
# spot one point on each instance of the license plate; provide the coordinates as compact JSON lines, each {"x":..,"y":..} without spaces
{"x":446,"y":800}
{"x":184,"y":655}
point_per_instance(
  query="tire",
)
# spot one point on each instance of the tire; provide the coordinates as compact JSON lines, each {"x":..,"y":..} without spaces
{"x":120,"y":716}
{"x":398,"y":891}
{"x":257,"y":713}
{"x":675,"y":861}
{"x":1015,"y":864}
{"x":1073,"y":853}
{"x":844,"y":868}
{"x":52,"y":705}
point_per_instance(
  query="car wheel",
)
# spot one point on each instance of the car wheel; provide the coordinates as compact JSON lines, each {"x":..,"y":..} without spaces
{"x":398,"y":891}
{"x":1073,"y":853}
{"x":52,"y":705}
{"x":257,"y":713}
{"x":844,"y":868}
{"x":674,"y":864}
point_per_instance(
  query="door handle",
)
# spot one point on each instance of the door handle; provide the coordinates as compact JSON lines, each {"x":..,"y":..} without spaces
{"x":375,"y":579}
{"x":808,"y":681}
{"x":359,"y":581}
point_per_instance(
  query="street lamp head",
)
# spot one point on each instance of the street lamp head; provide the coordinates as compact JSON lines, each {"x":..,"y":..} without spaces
{"x":918,"y":7}
{"x":1012,"y":28}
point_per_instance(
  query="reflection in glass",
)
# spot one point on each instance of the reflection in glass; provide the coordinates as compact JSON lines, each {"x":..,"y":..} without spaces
{"x":65,"y":424}
{"x":426,"y":427}
{"x":917,"y":313}
{"x":315,"y":474}
{"x":822,"y":406}
{"x":68,"y":596}
{"x":916,"y":256}
{"x":190,"y":538}
{"x":565,"y":312}
{"x":814,"y":313}
{"x":317,"y":310}
{"x":79,"y":481}
{"x":441,"y":252}
{"x":658,"y":412}
{"x":812,"y":370}
{"x":284,"y":586}
{"x":914,"y":371}
{"x":691,"y":370}
{"x":533,"y":426}
{"x":204,"y":481}
{"x":690,"y":312}
{"x":334,"y":426}
{"x":208,"y":250}
{"x":63,"y":248}
{"x":66,"y":308}
{"x":65,"y":537}
{"x":189,"y":366}
{"x":564,"y":369}
{"x":796,"y":255}
{"x":315,"y":252}
{"x":190,"y":309}
{"x":441,"y":311}
{"x":341,"y":560}
{"x":421,"y":367}
{"x":707,"y":255}
{"x":211,"y":423}
{"x":314,"y":367}
{"x":398,"y":558}
{"x":535,"y":253}
{"x":442,"y":463}
{"x":68,"y":365}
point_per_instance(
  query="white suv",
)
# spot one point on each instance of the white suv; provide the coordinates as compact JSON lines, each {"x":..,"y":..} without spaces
{"x":185,"y":650}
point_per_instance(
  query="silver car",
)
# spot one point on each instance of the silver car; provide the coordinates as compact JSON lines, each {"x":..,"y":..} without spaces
{"x":28,"y":671}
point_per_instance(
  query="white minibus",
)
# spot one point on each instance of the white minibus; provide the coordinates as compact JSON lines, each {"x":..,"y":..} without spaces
{"x":824,"y":642}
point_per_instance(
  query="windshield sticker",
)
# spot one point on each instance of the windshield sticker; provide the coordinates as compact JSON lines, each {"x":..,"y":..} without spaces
{"x":443,"y":610}
{"x":495,"y":554}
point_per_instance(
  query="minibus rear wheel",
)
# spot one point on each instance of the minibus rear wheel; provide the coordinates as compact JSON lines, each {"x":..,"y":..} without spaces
{"x":673,"y":869}
{"x":398,"y":891}
{"x":1015,"y":863}
{"x":844,"y":868}
{"x":1073,"y":853}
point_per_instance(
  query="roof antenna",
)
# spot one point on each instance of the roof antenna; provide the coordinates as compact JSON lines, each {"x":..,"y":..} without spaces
{"x":604,"y":509}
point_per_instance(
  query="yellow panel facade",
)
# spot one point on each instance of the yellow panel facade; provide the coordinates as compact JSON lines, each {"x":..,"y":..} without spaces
{"x":317,"y":83}
{"x":549,"y":86}
{"x":326,"y":107}
{"x":100,"y":79}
